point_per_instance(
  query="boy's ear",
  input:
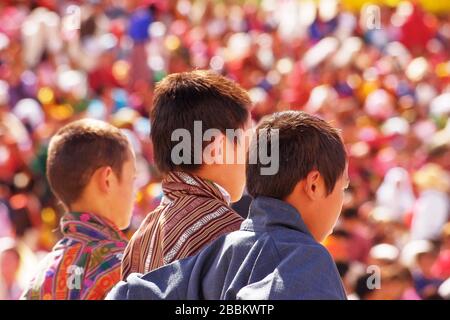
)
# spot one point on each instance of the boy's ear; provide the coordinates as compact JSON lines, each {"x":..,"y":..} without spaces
{"x":213,"y":152}
{"x":219,"y":146}
{"x":103,"y":176}
{"x":313,"y":185}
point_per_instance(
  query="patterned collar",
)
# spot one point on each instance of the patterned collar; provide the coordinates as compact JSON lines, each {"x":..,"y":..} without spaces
{"x":225,"y":193}
{"x":89,"y":227}
{"x":179,"y":183}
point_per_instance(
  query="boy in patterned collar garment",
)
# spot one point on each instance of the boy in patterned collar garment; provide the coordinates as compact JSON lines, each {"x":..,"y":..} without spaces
{"x":91,"y":170}
{"x":196,"y":208}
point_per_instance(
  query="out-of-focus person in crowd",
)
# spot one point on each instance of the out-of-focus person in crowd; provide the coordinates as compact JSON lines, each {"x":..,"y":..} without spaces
{"x":395,"y":283}
{"x":421,"y":256}
{"x":10,"y":261}
{"x":433,"y":184}
{"x":441,"y":268}
{"x":396,"y":193}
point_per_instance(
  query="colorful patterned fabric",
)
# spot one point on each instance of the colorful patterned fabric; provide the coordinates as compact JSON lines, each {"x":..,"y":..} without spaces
{"x":85,"y":264}
{"x":192,"y":213}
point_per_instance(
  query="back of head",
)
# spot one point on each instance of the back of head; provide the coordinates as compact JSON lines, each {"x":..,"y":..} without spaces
{"x":80,"y":148}
{"x":305,"y":143}
{"x":182,"y":98}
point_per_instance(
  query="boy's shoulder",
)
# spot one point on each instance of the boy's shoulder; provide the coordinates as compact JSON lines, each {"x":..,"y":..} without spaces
{"x":105,"y":247}
{"x":199,"y":209}
{"x":309,"y":264}
{"x":81,"y":252}
{"x":71,"y":259}
{"x":55,"y":266}
{"x":291,"y":243}
{"x":103,"y":255}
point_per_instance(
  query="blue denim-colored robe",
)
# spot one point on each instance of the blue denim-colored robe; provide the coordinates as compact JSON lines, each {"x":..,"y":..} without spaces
{"x":272,"y":256}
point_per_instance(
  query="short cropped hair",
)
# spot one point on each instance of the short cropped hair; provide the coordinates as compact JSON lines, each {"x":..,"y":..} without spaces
{"x":80,"y":148}
{"x":306,"y":143}
{"x":200,"y":95}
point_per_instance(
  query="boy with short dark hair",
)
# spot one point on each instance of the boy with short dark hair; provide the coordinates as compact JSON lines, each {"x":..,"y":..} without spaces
{"x":91,"y":170}
{"x":195,"y":209}
{"x":276,"y":254}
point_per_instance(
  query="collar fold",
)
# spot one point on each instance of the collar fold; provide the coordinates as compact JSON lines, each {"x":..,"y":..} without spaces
{"x":179,"y":183}
{"x":87,"y":226}
{"x":267,"y":214}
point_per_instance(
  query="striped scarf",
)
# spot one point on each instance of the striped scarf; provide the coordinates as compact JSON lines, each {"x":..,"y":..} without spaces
{"x":192,"y":213}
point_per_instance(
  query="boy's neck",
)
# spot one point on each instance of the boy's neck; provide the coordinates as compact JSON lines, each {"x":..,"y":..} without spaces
{"x":80,"y":207}
{"x":210,"y":176}
{"x":304,"y":213}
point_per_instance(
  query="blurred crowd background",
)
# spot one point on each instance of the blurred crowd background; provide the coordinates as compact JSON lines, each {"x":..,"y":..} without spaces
{"x":379,"y":72}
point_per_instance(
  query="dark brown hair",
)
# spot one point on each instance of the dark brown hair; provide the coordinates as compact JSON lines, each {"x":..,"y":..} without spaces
{"x":200,"y":95}
{"x":80,"y":148}
{"x":306,"y":143}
